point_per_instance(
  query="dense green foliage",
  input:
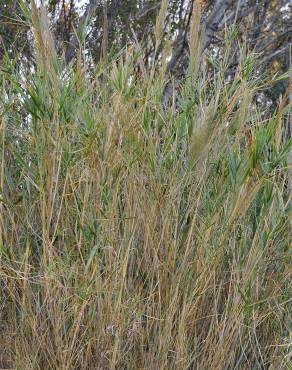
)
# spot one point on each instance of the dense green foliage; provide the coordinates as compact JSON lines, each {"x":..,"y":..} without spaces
{"x":135,"y":235}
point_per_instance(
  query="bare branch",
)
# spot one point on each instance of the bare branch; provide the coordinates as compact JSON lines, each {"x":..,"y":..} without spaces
{"x":278,"y":52}
{"x":235,"y":16}
{"x":211,"y":26}
{"x":214,"y":19}
{"x":73,"y":44}
{"x":145,"y":11}
{"x":181,"y":43}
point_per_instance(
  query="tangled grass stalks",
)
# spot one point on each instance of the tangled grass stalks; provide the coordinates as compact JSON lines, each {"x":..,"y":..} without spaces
{"x":135,"y":236}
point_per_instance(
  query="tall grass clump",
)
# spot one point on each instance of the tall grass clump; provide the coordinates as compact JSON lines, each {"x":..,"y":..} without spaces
{"x":135,"y":235}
